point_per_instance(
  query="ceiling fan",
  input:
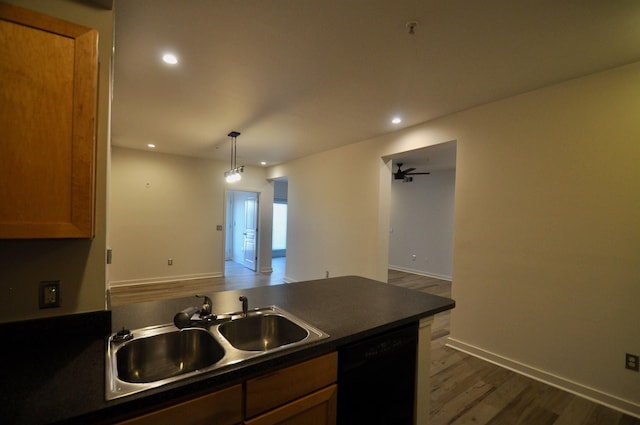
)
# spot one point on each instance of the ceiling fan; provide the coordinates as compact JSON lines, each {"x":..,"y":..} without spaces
{"x":405,"y":174}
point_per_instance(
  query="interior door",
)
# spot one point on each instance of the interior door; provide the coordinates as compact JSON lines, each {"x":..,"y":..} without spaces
{"x":250,"y":231}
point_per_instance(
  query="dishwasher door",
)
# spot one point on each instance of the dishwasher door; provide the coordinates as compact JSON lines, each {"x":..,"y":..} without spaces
{"x":377,"y":379}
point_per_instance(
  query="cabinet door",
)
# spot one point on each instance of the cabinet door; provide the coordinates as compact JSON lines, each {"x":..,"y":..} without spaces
{"x":284,"y":385}
{"x":48,"y":75}
{"x":222,"y":407}
{"x":318,"y":408}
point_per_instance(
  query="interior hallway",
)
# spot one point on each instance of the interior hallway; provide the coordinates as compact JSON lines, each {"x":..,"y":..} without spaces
{"x":236,"y":273}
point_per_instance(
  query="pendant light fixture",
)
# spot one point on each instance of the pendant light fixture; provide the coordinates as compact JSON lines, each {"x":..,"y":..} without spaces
{"x":233,"y":174}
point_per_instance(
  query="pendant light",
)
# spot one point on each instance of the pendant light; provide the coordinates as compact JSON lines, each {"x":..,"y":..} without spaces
{"x":233,"y":174}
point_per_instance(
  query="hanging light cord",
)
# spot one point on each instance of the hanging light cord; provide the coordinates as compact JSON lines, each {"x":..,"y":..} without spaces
{"x":234,"y":173}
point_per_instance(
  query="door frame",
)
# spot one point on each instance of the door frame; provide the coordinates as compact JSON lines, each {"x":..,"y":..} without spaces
{"x":229,"y":226}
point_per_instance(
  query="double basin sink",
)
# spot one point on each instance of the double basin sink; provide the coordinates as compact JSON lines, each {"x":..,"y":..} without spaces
{"x":154,"y":356}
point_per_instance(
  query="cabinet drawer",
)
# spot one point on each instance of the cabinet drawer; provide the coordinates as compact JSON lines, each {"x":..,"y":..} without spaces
{"x":317,"y":408}
{"x":284,"y":385}
{"x":223,"y":407}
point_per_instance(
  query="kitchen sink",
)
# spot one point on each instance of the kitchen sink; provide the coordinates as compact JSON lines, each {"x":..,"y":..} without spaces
{"x":262,"y":332}
{"x":167,"y":354}
{"x":146,"y":358}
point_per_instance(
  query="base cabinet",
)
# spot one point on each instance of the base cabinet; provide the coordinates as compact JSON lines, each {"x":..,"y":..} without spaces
{"x":222,"y":407}
{"x":318,"y":408}
{"x":302,"y":394}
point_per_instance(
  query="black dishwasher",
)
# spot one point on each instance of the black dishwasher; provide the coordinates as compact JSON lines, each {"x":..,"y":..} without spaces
{"x":377,"y":379}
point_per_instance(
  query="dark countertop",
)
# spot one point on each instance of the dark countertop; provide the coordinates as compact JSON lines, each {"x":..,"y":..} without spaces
{"x":62,"y":379}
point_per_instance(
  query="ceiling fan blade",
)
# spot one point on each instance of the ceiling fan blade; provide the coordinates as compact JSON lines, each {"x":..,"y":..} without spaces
{"x":408,"y":170}
{"x":413,"y":174}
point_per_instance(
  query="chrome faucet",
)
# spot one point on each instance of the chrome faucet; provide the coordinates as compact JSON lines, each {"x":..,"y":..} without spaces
{"x":245,"y":305}
{"x":193,"y":316}
{"x":205,"y":310}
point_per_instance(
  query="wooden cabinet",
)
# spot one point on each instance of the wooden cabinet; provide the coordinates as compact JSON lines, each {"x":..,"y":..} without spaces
{"x":303,"y":394}
{"x":48,"y":102}
{"x":318,"y":408}
{"x":222,"y":407}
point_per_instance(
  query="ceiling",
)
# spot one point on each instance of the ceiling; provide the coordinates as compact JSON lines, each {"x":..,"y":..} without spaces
{"x":296,"y":77}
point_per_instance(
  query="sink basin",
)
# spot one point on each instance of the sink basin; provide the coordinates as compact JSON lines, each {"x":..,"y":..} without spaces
{"x":141,"y":359}
{"x":261,"y":333}
{"x":166,"y":355}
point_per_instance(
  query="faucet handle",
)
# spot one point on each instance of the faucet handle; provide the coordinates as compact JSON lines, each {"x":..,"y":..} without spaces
{"x":183,"y":318}
{"x":206,"y":305}
{"x":245,"y":305}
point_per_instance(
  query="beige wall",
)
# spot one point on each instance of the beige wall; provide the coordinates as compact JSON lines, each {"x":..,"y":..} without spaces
{"x":167,"y":206}
{"x":547,"y":233}
{"x":546,"y":227}
{"x":78,"y":264}
{"x":331,"y":225}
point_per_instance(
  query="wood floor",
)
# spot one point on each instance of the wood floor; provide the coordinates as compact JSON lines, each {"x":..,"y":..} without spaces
{"x":464,"y":389}
{"x":467,"y":390}
{"x":238,"y":277}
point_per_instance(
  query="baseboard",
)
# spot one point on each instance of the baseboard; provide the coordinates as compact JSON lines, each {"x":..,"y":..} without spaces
{"x":164,"y":279}
{"x":592,"y":394}
{"x":287,"y":279}
{"x":420,"y":272}
{"x":267,"y":270}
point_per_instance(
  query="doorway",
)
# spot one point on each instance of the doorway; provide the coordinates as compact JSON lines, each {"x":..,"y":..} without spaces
{"x":241,"y":239}
{"x":279,"y":230}
{"x":422,"y":210}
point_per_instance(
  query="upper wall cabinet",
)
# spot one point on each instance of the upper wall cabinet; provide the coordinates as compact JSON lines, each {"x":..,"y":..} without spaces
{"x":48,"y":102}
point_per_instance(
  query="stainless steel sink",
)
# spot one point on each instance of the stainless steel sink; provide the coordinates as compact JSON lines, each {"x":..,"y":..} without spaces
{"x":167,"y":354}
{"x":157,"y":355}
{"x":262,"y":332}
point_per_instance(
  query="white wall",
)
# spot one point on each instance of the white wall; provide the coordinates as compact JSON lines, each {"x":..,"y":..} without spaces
{"x":78,"y":264}
{"x":167,"y":206}
{"x":422,"y":224}
{"x":331,"y":224}
{"x":547,"y":235}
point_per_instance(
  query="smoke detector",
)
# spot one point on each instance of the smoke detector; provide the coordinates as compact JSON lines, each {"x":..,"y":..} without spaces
{"x":411,"y":27}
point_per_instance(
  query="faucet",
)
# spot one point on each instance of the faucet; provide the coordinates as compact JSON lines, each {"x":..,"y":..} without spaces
{"x":187,"y":317}
{"x":245,"y":305}
{"x":205,"y":310}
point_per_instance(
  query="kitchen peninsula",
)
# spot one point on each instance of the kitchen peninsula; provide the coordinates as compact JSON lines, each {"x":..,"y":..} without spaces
{"x":65,"y":381}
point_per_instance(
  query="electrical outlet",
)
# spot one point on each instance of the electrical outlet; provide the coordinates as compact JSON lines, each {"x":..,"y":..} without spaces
{"x":49,"y":294}
{"x":632,"y":362}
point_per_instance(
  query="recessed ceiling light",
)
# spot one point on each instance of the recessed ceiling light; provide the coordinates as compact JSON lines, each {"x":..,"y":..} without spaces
{"x":263,"y":163}
{"x":151,"y":145}
{"x":170,"y":58}
{"x":396,"y":120}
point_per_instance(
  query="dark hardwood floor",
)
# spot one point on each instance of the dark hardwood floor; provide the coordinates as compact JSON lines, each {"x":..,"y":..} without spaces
{"x":464,"y":389}
{"x":467,"y":390}
{"x":236,"y":277}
